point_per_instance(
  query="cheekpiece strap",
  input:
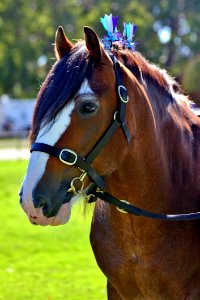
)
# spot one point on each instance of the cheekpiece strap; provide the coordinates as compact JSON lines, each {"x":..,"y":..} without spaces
{"x":123,"y":99}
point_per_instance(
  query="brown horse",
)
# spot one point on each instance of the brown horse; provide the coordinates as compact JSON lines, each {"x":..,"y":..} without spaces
{"x":152,"y":160}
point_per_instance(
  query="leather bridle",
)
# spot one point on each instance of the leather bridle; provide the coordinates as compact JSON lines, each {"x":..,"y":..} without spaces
{"x":97,"y":189}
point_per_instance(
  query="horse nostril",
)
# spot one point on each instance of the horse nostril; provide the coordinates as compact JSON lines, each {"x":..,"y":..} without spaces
{"x":49,"y":210}
{"x":46,"y":210}
{"x":39,"y":202}
{"x":33,"y":217}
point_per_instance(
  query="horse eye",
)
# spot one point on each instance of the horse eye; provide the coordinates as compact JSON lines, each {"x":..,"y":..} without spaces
{"x":88,"y":107}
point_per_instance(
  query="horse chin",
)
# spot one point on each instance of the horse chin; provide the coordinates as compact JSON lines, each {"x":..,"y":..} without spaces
{"x":61,"y":218}
{"x":63,"y":215}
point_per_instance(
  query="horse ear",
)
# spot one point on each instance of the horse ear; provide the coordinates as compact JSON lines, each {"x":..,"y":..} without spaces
{"x":62,"y":44}
{"x":93,"y":44}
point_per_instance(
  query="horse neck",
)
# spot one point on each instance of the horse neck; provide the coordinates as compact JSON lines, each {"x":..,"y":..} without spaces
{"x":154,"y":167}
{"x":175,"y":140}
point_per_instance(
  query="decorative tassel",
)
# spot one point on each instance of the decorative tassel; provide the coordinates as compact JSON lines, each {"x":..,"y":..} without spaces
{"x":113,"y":35}
{"x":109,"y":23}
{"x":128,"y":34}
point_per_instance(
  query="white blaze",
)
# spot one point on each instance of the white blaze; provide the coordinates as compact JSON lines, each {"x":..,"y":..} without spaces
{"x":38,"y":160}
{"x":85,"y":88}
{"x":49,"y":134}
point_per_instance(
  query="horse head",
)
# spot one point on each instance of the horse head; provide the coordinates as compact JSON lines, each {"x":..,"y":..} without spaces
{"x":75,"y":106}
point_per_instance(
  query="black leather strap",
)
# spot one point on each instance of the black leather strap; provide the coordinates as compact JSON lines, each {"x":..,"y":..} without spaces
{"x":122,"y":99}
{"x":130,"y":208}
{"x":103,"y":141}
{"x":119,"y":117}
{"x":45,"y":148}
{"x":68,"y":157}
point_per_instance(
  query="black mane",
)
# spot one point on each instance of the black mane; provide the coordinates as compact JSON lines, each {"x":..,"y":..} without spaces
{"x":61,"y":84}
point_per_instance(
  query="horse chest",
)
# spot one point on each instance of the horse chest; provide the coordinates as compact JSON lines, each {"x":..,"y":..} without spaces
{"x":114,"y":249}
{"x":167,"y":273}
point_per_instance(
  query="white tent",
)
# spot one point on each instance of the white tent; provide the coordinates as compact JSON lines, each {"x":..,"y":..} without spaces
{"x":15,"y":116}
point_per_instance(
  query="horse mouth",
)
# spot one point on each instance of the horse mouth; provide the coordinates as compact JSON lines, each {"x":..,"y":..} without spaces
{"x":55,"y":211}
{"x":61,"y":218}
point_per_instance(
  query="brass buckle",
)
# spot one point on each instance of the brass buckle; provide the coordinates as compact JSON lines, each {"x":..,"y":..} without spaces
{"x":121,"y":209}
{"x":66,"y":162}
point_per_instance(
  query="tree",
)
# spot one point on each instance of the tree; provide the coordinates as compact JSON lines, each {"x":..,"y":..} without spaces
{"x":168,"y":33}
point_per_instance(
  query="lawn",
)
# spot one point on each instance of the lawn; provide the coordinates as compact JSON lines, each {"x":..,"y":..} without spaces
{"x":43,"y":263}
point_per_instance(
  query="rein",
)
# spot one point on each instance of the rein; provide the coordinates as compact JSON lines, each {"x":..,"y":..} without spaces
{"x":97,"y":189}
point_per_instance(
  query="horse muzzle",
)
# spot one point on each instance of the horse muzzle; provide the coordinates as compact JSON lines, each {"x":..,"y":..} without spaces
{"x":42,"y":212}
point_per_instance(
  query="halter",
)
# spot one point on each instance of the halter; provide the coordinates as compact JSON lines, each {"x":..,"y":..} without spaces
{"x":70,"y":157}
{"x":97,"y":188}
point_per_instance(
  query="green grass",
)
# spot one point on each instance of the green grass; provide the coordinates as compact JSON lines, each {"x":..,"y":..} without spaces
{"x":43,"y":263}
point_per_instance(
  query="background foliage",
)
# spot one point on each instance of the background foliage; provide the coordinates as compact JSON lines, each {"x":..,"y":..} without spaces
{"x":168,"y":34}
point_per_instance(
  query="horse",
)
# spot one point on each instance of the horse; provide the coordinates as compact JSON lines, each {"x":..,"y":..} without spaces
{"x":148,"y":156}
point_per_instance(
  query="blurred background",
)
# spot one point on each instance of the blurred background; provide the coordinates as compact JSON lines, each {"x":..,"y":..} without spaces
{"x":168,"y":35}
{"x":42,"y":263}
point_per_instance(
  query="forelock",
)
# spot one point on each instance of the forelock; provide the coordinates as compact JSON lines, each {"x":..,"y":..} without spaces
{"x":61,"y":84}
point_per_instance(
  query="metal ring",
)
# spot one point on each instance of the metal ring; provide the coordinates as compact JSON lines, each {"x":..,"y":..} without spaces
{"x":72,"y":184}
{"x":119,"y":93}
{"x":66,"y":162}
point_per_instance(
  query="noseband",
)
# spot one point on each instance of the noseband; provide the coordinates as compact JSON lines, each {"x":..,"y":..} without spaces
{"x":97,"y":190}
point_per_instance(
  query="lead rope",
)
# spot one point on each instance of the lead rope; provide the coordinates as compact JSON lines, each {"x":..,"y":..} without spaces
{"x":125,"y":207}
